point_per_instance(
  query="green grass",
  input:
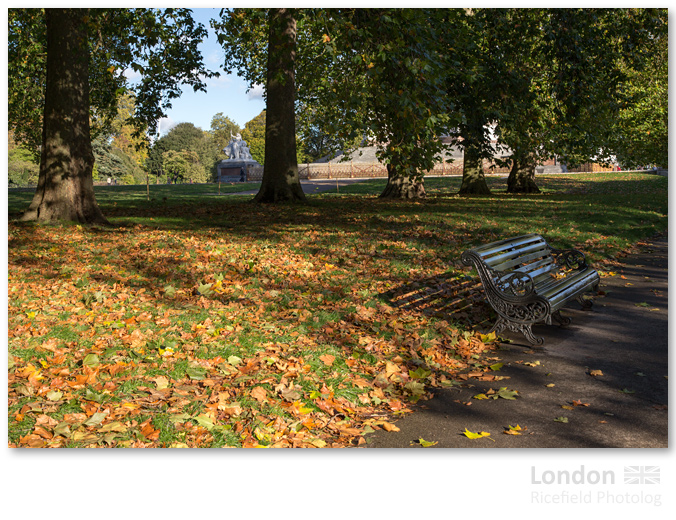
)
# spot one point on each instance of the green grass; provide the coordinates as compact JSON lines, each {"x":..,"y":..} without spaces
{"x":192,"y":303}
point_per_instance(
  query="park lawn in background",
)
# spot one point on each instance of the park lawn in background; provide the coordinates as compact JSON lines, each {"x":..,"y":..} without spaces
{"x":208,"y":321}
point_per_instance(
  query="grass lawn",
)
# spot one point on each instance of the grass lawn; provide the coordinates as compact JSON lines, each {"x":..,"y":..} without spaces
{"x":203,"y":320}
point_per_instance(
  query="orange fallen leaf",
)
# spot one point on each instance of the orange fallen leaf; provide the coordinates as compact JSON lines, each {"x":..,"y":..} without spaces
{"x":327,"y":359}
{"x":259,"y":394}
{"x":149,"y":431}
{"x":389,"y":427}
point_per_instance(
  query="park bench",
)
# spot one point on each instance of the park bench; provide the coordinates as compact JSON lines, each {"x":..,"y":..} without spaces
{"x":526,"y":281}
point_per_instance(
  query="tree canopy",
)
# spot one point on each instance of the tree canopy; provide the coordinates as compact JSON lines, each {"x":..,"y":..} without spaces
{"x":70,"y":65}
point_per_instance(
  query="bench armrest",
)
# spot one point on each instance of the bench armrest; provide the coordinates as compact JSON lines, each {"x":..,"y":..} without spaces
{"x":515,"y":285}
{"x":569,"y":258}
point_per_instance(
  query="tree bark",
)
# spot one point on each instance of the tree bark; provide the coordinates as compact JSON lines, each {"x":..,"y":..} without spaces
{"x":401,"y":186}
{"x":522,"y":177}
{"x":65,"y":186}
{"x":473,"y":178}
{"x":281,"y":182}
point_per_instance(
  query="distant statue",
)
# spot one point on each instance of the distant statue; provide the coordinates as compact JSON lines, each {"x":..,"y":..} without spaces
{"x":237,"y":148}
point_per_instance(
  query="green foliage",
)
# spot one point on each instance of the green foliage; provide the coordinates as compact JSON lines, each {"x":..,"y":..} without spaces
{"x":642,"y":125}
{"x":186,"y":137}
{"x":254,"y":135}
{"x":22,"y":168}
{"x":111,"y":162}
{"x":183,"y":166}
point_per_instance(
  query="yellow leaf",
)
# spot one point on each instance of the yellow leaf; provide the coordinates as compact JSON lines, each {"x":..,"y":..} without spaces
{"x":473,"y":435}
{"x":514,"y":430}
{"x":488,"y":338}
{"x":161,"y":382}
{"x":426,"y":444}
{"x":595,"y":373}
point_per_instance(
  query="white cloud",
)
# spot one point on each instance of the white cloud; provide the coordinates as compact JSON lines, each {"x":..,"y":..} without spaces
{"x":165,"y":124}
{"x":221,"y":82}
{"x":256,"y":92}
{"x":131,"y":75}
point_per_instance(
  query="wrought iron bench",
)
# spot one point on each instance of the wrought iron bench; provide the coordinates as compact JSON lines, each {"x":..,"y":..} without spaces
{"x":526,"y":281}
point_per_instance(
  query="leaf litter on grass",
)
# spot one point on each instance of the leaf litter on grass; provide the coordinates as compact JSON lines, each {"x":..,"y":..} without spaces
{"x":342,"y":312}
{"x":253,"y":346}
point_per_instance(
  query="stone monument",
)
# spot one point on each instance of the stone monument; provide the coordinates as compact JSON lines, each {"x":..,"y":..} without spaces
{"x":239,"y":160}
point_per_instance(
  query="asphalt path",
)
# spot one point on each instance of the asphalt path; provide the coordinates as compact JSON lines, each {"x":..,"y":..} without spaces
{"x":600,"y":382}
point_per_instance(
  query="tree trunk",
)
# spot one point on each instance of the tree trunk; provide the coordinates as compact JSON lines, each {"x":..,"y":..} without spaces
{"x":522,"y":177}
{"x":402,"y":186}
{"x":280,"y":174}
{"x":65,"y":186}
{"x":473,"y":178}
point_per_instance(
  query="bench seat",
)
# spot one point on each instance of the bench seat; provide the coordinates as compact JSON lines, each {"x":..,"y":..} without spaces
{"x":526,"y":281}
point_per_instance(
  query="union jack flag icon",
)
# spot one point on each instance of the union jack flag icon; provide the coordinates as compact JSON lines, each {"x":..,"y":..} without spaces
{"x":641,"y":474}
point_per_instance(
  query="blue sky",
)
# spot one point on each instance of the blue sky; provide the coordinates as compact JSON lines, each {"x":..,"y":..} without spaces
{"x":226,"y":94}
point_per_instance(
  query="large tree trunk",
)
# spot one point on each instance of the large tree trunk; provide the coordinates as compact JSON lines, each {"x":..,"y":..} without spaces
{"x":65,"y":186}
{"x":473,"y":178}
{"x":400,"y":186}
{"x":280,"y":175}
{"x":522,"y":177}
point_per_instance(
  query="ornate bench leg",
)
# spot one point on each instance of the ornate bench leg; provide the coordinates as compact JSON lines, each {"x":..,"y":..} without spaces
{"x":528,"y":332}
{"x":499,"y":326}
{"x":560,"y":318}
{"x":525,"y":329}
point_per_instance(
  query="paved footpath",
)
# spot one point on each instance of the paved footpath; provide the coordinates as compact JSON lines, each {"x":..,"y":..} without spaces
{"x":625,"y":336}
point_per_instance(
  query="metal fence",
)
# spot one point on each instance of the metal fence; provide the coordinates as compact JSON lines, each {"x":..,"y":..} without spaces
{"x":364,"y":170}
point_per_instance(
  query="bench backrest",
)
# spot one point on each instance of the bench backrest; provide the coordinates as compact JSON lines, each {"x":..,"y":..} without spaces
{"x":529,"y":254}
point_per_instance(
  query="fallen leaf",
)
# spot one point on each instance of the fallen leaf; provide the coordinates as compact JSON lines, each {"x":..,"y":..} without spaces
{"x":477,"y":435}
{"x":595,"y":373}
{"x":514,"y":430}
{"x":561,"y":419}
{"x":96,"y":419}
{"x":161,"y":382}
{"x":580,"y":403}
{"x":327,"y":359}
{"x":507,"y":394}
{"x":426,"y":444}
{"x":389,"y":427}
{"x":259,"y":394}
